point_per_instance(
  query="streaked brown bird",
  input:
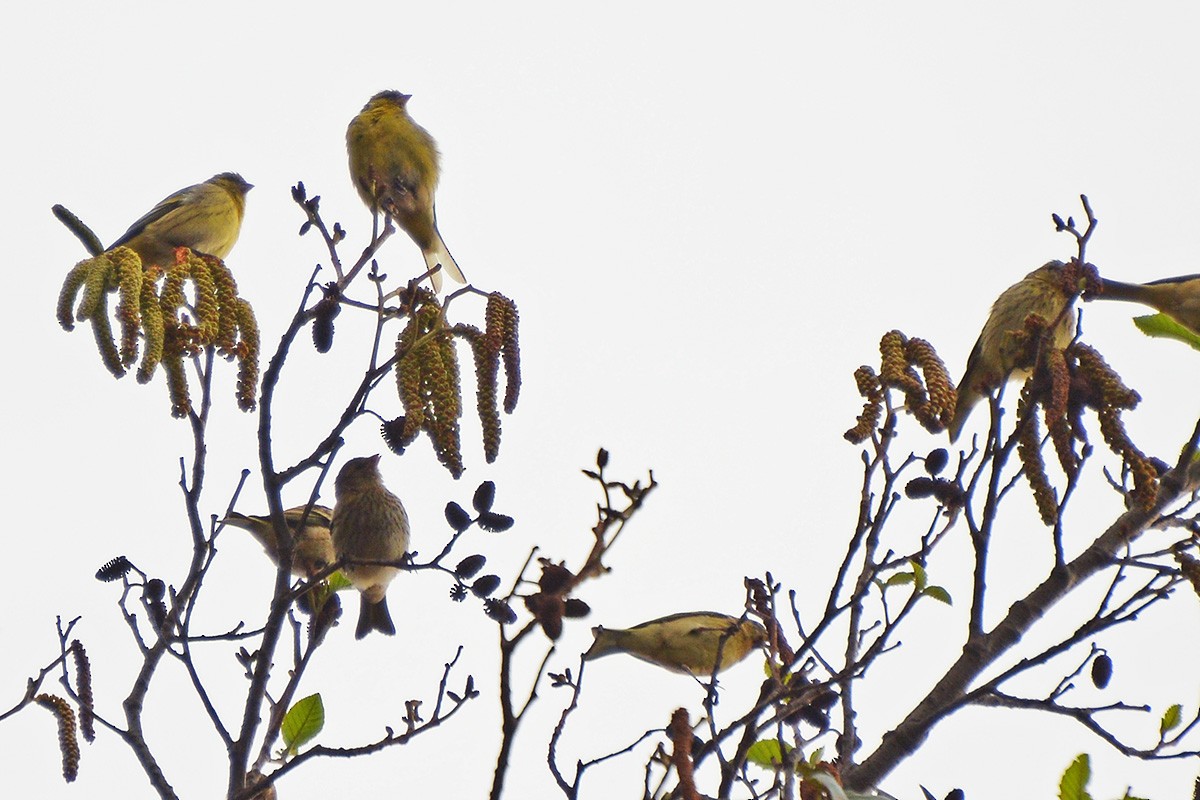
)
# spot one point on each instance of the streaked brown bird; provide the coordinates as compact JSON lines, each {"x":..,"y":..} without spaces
{"x":206,"y":217}
{"x":1178,"y":298}
{"x":313,"y":549}
{"x":395,"y":166}
{"x":369,"y":524}
{"x":998,"y":356}
{"x":687,"y":642}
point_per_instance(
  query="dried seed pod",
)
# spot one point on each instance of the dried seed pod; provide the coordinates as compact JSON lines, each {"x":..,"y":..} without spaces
{"x":469,"y":566}
{"x":83,"y":688}
{"x":113,"y":570}
{"x":485,"y":585}
{"x":458,"y":519}
{"x":1102,"y":670}
{"x":499,"y":610}
{"x":919,"y":488}
{"x":68,"y":743}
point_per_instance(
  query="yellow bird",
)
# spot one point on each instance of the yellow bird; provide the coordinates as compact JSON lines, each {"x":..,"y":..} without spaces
{"x":313,"y":550}
{"x":1178,"y":298}
{"x":687,"y":643}
{"x":369,"y":524}
{"x":394,"y":165}
{"x":997,"y":356}
{"x":206,"y":217}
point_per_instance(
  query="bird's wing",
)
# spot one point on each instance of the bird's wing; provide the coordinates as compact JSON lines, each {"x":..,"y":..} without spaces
{"x":323,"y":513}
{"x":702,"y":618}
{"x":1176,"y":279}
{"x":318,"y":515}
{"x":153,"y":215}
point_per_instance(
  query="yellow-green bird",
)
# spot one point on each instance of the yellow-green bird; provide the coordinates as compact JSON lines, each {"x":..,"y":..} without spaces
{"x":369,"y":524}
{"x":206,"y":217}
{"x":394,"y":164}
{"x":1178,"y":298}
{"x":997,"y":356}
{"x":687,"y":643}
{"x":313,"y":549}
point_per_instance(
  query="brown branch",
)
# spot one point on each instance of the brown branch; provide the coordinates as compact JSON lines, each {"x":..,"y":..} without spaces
{"x":983,"y":649}
{"x":609,"y":524}
{"x":1086,"y":718}
{"x":390,"y":739}
{"x":680,"y":732}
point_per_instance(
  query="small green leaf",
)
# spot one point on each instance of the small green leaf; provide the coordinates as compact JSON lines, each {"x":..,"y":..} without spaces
{"x":1170,"y":719}
{"x":900,"y":578}
{"x":938,"y":593}
{"x":1073,"y":785}
{"x":922,"y":580}
{"x":765,"y":753}
{"x":338,"y":582}
{"x":1164,"y":327}
{"x":303,"y":722}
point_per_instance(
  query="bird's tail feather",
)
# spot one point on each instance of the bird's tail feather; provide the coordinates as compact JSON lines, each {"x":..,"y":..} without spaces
{"x":606,"y":641}
{"x":1116,"y":290}
{"x":966,"y":402}
{"x":438,"y":254}
{"x":373,"y":617}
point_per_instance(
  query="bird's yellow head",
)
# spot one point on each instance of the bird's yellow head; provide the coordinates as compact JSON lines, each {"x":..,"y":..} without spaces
{"x":754,"y":632}
{"x":389,"y":97}
{"x":1048,"y":271}
{"x":232,"y":182}
{"x":357,"y":474}
{"x":236,"y":186}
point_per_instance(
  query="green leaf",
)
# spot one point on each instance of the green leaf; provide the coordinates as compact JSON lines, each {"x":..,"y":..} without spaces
{"x":338,"y":581}
{"x":922,"y":580}
{"x":1170,"y":719}
{"x":1164,"y":327}
{"x":938,"y":593}
{"x":900,"y":578}
{"x":1073,"y":785}
{"x":303,"y":722}
{"x":765,"y":753}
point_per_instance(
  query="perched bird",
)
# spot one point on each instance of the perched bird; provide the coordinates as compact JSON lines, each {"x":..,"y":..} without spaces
{"x":369,"y":524}
{"x":206,"y":217}
{"x":686,"y":643}
{"x":1178,"y":298}
{"x":997,"y":356}
{"x":313,"y":550}
{"x":394,"y":166}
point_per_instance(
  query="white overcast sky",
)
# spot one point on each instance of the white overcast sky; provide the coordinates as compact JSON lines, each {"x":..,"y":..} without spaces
{"x":708,"y":215}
